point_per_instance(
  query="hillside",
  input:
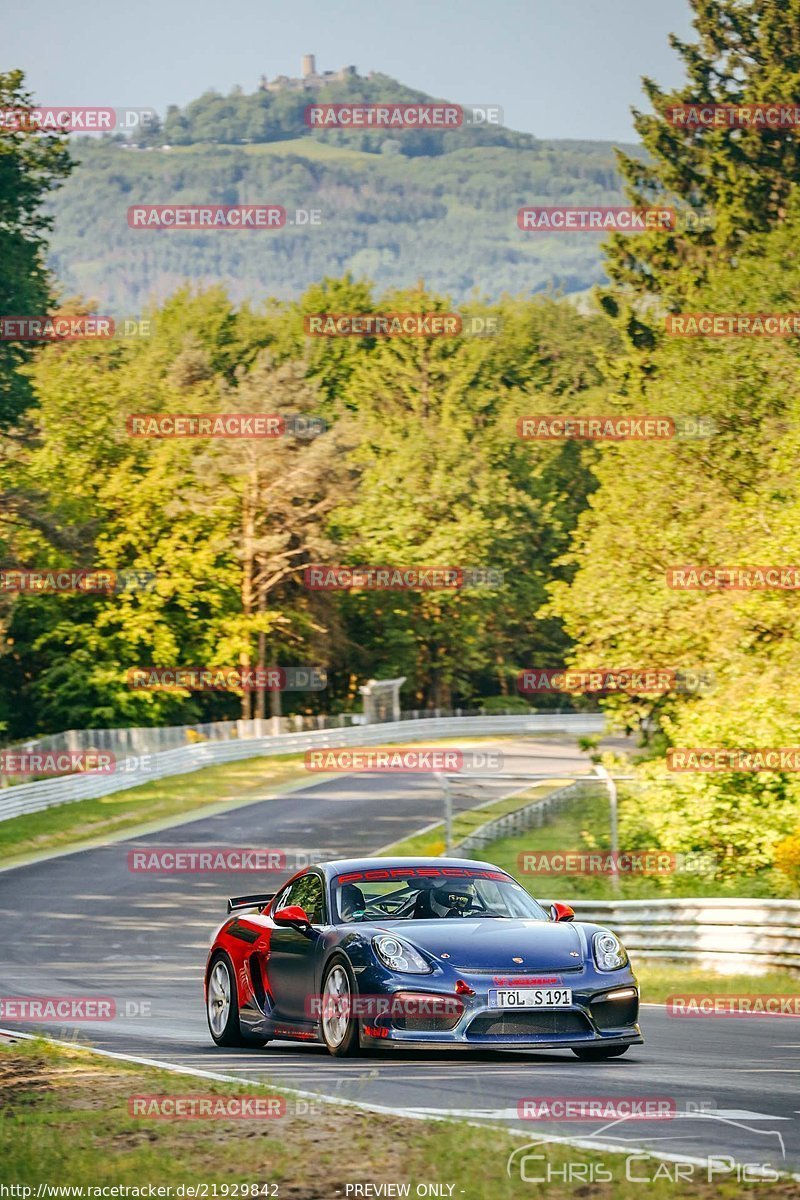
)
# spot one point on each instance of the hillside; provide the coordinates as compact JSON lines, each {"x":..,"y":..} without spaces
{"x":392,"y":209}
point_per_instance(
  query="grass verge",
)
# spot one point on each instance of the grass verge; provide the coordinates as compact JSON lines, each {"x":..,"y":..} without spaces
{"x":658,"y":980}
{"x":432,"y":841}
{"x":65,"y":1121}
{"x":583,"y":825}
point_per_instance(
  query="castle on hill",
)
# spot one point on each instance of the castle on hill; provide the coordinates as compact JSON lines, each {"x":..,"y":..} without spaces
{"x":310,"y":79}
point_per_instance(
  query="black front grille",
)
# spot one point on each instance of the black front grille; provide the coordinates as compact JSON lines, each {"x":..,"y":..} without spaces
{"x":528,"y":1024}
{"x":426,"y":1024}
{"x":614,"y":1014}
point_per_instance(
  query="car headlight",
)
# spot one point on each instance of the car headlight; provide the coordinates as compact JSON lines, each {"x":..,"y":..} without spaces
{"x":399,"y":956}
{"x":609,"y":952}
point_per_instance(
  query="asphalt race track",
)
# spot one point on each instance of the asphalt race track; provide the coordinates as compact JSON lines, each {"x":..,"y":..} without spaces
{"x":83,"y":924}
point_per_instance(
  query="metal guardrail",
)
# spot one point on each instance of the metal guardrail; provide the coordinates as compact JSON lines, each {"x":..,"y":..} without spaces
{"x":45,"y":793}
{"x":726,"y":934}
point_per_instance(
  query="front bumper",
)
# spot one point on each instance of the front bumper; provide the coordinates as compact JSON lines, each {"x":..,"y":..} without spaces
{"x":592,"y":1019}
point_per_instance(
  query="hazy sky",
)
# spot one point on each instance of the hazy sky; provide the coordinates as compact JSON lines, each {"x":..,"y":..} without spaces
{"x":563,"y":68}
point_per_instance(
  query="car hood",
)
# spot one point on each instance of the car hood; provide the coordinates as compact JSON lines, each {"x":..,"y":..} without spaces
{"x":494,"y":943}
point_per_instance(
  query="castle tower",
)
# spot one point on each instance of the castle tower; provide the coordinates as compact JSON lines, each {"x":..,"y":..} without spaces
{"x":309,"y":65}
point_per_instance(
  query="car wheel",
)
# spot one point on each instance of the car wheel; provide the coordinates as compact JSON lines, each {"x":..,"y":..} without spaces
{"x":598,"y":1053}
{"x":222,"y":1006}
{"x":339,"y":1030}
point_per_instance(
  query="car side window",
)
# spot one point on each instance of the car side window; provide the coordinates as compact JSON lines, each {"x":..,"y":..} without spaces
{"x":307,"y":892}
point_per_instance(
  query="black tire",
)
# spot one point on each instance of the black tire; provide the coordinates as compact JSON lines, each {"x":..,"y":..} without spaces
{"x":229,"y":1030}
{"x":598,"y":1053}
{"x":349,"y":1044}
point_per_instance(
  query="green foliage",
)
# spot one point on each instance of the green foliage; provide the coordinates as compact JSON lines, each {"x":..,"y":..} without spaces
{"x":32,"y":164}
{"x":420,"y":466}
{"x":739,"y":179}
{"x":450,"y":219}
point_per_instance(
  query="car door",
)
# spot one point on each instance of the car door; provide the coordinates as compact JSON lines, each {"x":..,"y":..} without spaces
{"x":293,"y":953}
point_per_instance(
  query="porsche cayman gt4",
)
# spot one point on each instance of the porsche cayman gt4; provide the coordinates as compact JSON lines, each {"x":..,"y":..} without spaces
{"x":402,"y":952}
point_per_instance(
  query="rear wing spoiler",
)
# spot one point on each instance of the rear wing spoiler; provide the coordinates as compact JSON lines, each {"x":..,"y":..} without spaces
{"x":257,"y":900}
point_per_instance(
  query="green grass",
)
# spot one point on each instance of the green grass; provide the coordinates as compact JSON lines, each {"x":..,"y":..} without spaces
{"x":432,"y":841}
{"x":64,"y":1120}
{"x":584,"y":825}
{"x":658,"y":980}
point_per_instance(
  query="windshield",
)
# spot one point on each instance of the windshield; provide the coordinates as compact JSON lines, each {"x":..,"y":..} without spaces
{"x":398,"y":894}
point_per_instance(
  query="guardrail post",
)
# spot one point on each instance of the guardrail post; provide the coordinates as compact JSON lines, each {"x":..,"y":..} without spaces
{"x":612,"y":802}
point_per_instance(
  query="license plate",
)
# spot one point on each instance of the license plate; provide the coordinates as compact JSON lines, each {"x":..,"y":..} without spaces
{"x":530,"y":997}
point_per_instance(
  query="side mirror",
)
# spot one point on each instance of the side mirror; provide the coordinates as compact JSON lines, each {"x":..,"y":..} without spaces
{"x":292,"y":915}
{"x":561,"y":912}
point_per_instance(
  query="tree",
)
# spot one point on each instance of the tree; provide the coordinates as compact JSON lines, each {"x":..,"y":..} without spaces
{"x":32,"y":165}
{"x":740,"y":179}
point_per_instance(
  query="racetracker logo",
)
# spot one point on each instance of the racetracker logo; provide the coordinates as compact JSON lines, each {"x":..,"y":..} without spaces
{"x":562,"y":428}
{"x":552,"y":219}
{"x":208,"y":216}
{"x":388,"y":115}
{"x":56,"y":762}
{"x":733,"y":579}
{"x":223,"y":425}
{"x":364,"y":1005}
{"x":637,"y":681}
{"x":227,"y":679}
{"x":91,"y":582}
{"x":58,"y":327}
{"x":764,"y":1004}
{"x":596,"y":1108}
{"x":389,"y":324}
{"x":57,"y":1008}
{"x":75,"y":120}
{"x":421,"y":759}
{"x":328,"y":578}
{"x":206,"y":1107}
{"x":757,"y":115}
{"x":722,"y":758}
{"x":733,"y":324}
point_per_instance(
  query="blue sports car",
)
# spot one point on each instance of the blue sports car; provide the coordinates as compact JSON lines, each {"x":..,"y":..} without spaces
{"x":417,"y":952}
